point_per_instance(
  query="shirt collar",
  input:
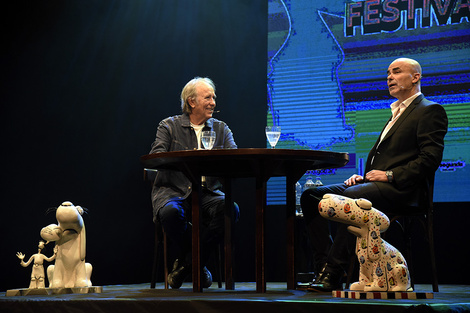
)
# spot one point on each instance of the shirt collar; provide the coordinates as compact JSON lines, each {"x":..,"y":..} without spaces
{"x":406,"y":103}
{"x":187,"y":123}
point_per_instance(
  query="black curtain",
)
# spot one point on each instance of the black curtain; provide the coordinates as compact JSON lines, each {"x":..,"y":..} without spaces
{"x":83,"y":85}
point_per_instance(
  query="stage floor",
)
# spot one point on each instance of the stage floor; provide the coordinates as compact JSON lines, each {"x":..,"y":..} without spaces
{"x":140,"y":298}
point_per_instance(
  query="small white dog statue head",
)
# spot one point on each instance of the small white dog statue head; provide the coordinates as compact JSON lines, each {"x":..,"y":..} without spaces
{"x":70,"y":224}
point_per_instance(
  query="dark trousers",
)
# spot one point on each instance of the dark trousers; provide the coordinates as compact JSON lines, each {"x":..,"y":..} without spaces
{"x":336,"y":253}
{"x":175,"y":218}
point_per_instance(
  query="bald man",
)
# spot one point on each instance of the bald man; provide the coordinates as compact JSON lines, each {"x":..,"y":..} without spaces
{"x":402,"y":161}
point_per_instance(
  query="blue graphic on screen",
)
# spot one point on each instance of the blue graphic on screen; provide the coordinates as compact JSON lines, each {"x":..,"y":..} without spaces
{"x":327,"y":90}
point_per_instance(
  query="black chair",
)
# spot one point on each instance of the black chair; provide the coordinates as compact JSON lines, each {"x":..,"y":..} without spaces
{"x":422,"y":212}
{"x":160,"y":241}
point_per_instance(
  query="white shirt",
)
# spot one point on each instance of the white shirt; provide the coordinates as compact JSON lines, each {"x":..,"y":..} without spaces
{"x":198,"y":131}
{"x":397,"y":109}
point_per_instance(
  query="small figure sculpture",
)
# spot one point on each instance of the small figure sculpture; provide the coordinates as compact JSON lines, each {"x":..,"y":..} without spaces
{"x":70,"y":269}
{"x":37,"y":274}
{"x":382,"y":266}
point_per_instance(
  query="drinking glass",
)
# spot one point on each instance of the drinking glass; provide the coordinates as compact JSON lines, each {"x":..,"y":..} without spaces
{"x":208,"y":139}
{"x":273,"y":133}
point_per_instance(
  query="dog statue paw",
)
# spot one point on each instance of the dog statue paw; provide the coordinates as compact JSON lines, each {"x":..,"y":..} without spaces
{"x":381,"y":266}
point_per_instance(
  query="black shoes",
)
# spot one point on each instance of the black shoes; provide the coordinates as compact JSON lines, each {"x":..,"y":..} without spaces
{"x":206,"y":278}
{"x":178,"y":274}
{"x":318,"y":274}
{"x":181,"y":272}
{"x":328,"y":281}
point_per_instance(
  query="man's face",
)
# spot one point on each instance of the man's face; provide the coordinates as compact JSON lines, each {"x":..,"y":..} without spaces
{"x":203,"y":104}
{"x":401,"y":80}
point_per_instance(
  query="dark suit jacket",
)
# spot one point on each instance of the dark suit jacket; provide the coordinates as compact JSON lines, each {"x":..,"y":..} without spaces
{"x":412,"y":149}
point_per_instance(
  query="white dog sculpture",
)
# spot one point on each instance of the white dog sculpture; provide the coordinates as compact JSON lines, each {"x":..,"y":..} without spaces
{"x":70,"y":269}
{"x":382,"y":266}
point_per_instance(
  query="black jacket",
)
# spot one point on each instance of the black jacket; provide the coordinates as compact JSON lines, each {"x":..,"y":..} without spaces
{"x":412,"y":149}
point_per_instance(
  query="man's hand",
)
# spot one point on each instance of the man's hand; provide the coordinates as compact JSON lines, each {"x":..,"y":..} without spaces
{"x":354,"y":180}
{"x":376,"y":175}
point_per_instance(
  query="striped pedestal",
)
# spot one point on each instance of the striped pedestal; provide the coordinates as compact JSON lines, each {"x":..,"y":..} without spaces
{"x":382,"y":295}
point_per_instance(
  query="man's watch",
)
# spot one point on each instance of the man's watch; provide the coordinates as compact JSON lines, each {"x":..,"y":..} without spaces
{"x":389,"y":175}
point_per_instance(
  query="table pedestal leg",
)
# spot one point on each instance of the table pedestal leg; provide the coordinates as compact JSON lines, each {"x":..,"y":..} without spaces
{"x":229,"y":283}
{"x":196,"y":249}
{"x":290,"y":231}
{"x":260,"y":229}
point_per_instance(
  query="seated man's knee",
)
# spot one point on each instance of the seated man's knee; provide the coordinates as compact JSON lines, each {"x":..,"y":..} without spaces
{"x":350,"y":193}
{"x":309,"y":203}
{"x":218,"y":211}
{"x":367,"y":190}
{"x":309,"y":197}
{"x":235,"y":212}
{"x":170,"y":214}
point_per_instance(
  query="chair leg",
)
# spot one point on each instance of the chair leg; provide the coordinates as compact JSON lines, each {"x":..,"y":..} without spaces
{"x":156,"y":257}
{"x":165,"y":260}
{"x":432,"y":254}
{"x":160,"y":238}
{"x":406,"y":227}
{"x":407,"y":221}
{"x":219,"y":267}
{"x":429,"y":237}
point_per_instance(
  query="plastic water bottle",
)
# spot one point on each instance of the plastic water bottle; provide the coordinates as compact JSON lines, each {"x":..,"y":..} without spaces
{"x":318,"y":182}
{"x":298,"y":193}
{"x":309,"y":183}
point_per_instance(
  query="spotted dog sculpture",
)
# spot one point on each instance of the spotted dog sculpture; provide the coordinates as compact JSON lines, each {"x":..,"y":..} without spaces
{"x":382,"y":266}
{"x":70,"y":269}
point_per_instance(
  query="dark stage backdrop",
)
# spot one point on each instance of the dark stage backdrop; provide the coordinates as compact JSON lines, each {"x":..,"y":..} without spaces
{"x":83,"y":85}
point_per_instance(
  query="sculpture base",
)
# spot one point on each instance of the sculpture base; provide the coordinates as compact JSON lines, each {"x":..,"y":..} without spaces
{"x":382,"y":294}
{"x":52,"y":291}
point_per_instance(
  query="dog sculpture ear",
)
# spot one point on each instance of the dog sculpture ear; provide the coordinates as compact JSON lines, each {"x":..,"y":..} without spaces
{"x":82,"y":235}
{"x":374,"y":239}
{"x":83,"y":243}
{"x":364,"y":204}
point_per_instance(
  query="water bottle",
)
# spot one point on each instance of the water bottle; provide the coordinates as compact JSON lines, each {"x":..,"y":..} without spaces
{"x":318,"y":182}
{"x":309,"y":183}
{"x":298,"y":193}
